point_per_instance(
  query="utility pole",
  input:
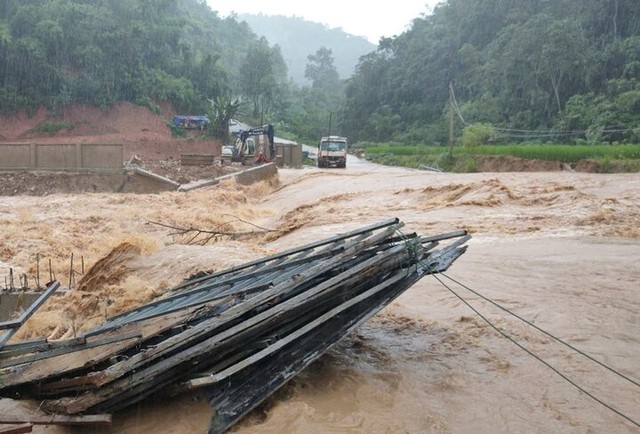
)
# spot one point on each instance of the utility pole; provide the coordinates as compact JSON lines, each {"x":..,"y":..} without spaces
{"x":452,"y":138}
{"x":330,"y":116}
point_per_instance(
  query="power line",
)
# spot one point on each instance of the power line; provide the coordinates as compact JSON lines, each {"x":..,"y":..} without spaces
{"x":582,"y":353}
{"x":606,"y":130}
{"x":535,"y":133}
{"x":504,"y":334}
{"x":548,"y":133}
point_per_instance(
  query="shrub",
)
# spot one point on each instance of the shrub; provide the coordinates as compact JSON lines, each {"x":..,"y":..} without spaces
{"x":478,"y":134}
{"x":52,"y":127}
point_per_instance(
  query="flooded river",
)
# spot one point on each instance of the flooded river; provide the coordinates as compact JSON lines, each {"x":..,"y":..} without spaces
{"x":559,"y":249}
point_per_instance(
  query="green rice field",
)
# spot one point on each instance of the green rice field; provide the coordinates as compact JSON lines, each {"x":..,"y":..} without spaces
{"x":611,"y":157}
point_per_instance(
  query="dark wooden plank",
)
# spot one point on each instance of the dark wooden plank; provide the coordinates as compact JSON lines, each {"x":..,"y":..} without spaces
{"x":241,"y":393}
{"x":58,"y":419}
{"x":85,"y":358}
{"x":37,"y":346}
{"x":289,"y":252}
{"x":47,"y":368}
{"x":146,"y":328}
{"x":446,"y":236}
{"x":16,"y":429}
{"x":163,"y":364}
{"x":65,"y":349}
{"x":220,"y":376}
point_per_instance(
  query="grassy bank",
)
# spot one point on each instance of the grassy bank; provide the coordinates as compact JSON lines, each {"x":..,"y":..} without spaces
{"x":610,"y":158}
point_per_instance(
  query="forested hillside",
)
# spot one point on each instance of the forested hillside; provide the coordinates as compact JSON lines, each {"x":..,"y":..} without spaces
{"x":561,"y":70}
{"x":524,"y":69}
{"x":299,"y":38}
{"x":59,"y":52}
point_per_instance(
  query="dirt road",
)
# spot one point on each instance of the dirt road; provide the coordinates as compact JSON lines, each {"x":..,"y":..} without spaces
{"x":557,"y":248}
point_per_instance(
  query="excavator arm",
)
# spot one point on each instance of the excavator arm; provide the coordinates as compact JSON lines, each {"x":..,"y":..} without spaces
{"x":265,"y":130}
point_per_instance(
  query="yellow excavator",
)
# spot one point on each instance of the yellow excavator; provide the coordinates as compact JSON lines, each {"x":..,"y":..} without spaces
{"x":245,"y":149}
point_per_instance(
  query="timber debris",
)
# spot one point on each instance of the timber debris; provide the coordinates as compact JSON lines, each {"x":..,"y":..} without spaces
{"x":240,"y":333}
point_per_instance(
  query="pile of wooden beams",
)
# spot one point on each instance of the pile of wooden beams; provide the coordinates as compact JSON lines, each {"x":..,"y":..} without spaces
{"x":240,"y":333}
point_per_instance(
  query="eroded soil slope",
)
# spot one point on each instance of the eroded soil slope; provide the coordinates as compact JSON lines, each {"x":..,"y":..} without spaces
{"x":141,"y":131}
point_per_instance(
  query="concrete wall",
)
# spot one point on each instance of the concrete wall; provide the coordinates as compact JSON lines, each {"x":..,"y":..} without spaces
{"x":13,"y":303}
{"x":70,"y":156}
{"x":291,"y":155}
{"x":256,"y":174}
{"x":246,"y":177}
{"x":144,"y":182}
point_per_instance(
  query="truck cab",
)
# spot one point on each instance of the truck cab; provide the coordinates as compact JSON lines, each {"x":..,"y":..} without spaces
{"x":332,"y":151}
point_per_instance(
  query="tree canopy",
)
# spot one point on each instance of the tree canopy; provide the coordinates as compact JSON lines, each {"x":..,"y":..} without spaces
{"x":534,"y":69}
{"x":58,"y":52}
{"x":524,"y":69}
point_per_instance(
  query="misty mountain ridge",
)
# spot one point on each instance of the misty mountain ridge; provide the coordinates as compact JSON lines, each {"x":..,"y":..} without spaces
{"x":299,"y":38}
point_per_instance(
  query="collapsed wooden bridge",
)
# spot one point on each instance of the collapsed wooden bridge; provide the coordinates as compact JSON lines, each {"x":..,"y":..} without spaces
{"x":240,"y":333}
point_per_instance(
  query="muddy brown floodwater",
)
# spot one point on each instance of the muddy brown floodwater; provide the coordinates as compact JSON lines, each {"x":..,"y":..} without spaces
{"x":560,"y":249}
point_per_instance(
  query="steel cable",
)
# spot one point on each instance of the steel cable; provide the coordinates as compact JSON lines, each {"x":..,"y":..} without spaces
{"x":557,"y":339}
{"x":507,"y":336}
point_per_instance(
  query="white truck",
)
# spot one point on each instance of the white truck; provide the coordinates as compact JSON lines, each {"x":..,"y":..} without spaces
{"x":332,"y":151}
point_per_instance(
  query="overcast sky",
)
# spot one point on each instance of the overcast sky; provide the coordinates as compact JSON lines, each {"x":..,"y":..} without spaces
{"x":371,"y":19}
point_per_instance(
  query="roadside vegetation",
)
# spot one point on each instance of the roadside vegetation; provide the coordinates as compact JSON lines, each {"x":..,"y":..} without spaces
{"x":608,"y":158}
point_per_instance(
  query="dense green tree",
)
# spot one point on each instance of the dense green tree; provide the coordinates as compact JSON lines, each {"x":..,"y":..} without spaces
{"x":57,"y":52}
{"x":316,"y":110}
{"x":261,"y":76}
{"x":529,"y":65}
{"x":361,"y":101}
{"x":534,"y":66}
{"x":223,"y":109}
{"x":321,"y":71}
